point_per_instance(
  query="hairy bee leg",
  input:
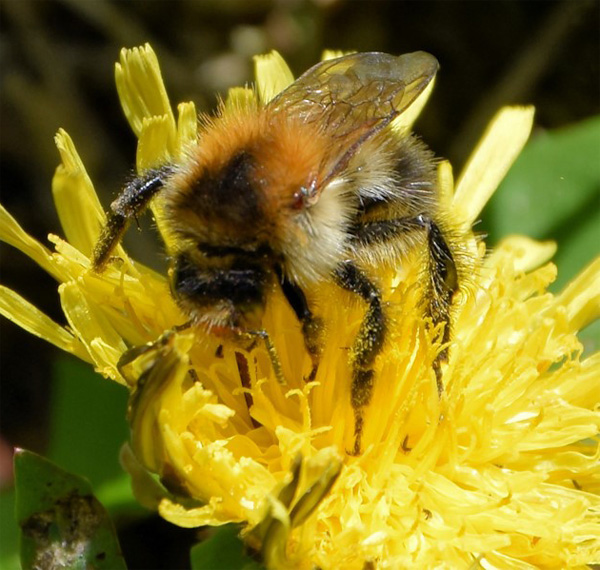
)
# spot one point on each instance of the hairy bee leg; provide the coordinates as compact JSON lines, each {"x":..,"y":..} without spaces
{"x":367,"y":345}
{"x":442,"y":276}
{"x":312,"y":327}
{"x":131,"y":202}
{"x":442,"y":285}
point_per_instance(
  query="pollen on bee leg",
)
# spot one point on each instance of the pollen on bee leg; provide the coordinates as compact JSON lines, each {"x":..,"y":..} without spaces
{"x":359,"y":421}
{"x":312,"y":330}
{"x":361,"y":392}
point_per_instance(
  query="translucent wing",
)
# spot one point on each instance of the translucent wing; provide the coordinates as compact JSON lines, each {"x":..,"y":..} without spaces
{"x":355,"y":96}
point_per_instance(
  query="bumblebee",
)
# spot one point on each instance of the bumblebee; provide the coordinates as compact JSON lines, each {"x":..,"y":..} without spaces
{"x":309,"y":187}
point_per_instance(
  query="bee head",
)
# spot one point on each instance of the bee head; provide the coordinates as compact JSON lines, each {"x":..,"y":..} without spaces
{"x":222,"y":285}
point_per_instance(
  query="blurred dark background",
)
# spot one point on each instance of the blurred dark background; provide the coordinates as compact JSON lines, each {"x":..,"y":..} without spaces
{"x":57,"y":70}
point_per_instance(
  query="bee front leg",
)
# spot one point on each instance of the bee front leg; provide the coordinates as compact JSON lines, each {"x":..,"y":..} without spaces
{"x":131,"y":202}
{"x":367,"y":345}
{"x":271,"y":350}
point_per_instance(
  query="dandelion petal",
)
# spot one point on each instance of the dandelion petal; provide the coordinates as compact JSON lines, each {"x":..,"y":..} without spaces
{"x":141,"y":88}
{"x":582,"y":297}
{"x":13,"y":234}
{"x":272,"y":75}
{"x":77,"y":204}
{"x":30,"y":318}
{"x":494,"y":155}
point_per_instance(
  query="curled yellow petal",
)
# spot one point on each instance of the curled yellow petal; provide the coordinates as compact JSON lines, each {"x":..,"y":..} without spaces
{"x":166,"y":366}
{"x":527,"y":253}
{"x":147,"y":491}
{"x":192,"y":517}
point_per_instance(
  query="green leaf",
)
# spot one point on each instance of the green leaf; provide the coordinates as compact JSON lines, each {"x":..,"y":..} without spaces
{"x":224,"y":550}
{"x":9,"y":536}
{"x":88,"y":427}
{"x":62,"y":524}
{"x":88,"y":422}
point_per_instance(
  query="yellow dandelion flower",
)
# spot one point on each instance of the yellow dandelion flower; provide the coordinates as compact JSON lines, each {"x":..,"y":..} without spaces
{"x":501,"y":470}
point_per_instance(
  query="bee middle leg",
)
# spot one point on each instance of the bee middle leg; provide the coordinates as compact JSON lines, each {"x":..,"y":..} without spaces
{"x":367,"y":345}
{"x":441,"y":276}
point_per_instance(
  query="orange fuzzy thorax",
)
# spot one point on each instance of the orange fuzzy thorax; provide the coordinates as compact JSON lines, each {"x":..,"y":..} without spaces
{"x":285,"y":155}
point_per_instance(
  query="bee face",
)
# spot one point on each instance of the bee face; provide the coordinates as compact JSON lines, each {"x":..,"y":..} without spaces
{"x":312,"y":186}
{"x":235,"y":207}
{"x":230,"y":291}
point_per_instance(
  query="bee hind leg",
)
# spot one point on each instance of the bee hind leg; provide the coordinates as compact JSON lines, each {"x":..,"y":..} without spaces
{"x":367,"y":345}
{"x":442,"y":284}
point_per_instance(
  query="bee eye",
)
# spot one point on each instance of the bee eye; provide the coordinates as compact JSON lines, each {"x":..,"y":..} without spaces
{"x":299,"y":198}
